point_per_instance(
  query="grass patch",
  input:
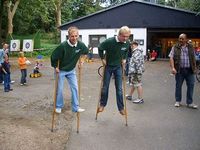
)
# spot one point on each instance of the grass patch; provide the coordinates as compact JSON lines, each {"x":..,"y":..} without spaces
{"x":47,"y":45}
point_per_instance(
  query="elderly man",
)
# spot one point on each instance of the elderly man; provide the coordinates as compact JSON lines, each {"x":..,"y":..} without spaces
{"x":183,"y":66}
{"x":116,"y":49}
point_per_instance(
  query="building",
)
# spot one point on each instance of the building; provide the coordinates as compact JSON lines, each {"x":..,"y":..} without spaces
{"x":153,"y":26}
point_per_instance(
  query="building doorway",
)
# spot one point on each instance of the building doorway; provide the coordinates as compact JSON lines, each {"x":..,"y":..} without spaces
{"x":162,"y":40}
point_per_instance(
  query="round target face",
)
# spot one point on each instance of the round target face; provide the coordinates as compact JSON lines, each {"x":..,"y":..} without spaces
{"x":27,"y":45}
{"x":14,"y":45}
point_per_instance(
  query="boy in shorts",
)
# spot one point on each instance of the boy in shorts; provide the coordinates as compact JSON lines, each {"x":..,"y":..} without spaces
{"x":136,"y":69}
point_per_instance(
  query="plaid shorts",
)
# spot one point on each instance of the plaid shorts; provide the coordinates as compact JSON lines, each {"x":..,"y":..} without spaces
{"x":135,"y":79}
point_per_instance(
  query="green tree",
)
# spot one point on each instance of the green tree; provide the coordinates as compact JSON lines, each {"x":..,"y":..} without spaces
{"x":173,"y":3}
{"x":1,"y":19}
{"x":11,"y":10}
{"x":162,"y":2}
{"x":111,"y":2}
{"x":192,"y":5}
{"x":44,"y":15}
{"x":34,"y":15}
{"x":57,"y":7}
{"x":83,"y":7}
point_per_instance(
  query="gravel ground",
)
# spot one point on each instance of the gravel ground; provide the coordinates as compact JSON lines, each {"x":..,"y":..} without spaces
{"x":26,"y":113}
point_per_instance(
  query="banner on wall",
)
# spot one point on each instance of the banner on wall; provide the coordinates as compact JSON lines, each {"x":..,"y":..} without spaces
{"x":28,"y":45}
{"x":14,"y":45}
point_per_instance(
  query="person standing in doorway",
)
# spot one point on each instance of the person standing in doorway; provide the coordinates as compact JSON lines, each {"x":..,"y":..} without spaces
{"x":183,"y":66}
{"x":114,"y":60}
{"x":68,"y":54}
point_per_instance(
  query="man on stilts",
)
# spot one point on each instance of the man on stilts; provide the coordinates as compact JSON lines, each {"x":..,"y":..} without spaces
{"x":114,"y":60}
{"x":68,"y":54}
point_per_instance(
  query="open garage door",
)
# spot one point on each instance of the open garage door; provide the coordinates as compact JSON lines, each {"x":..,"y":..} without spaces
{"x":162,"y":40}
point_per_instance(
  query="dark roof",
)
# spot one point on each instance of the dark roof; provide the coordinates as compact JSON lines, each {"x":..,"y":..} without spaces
{"x":137,"y":14}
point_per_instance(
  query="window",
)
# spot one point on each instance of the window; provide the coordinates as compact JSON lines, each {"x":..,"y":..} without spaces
{"x":95,"y":40}
{"x":131,"y":37}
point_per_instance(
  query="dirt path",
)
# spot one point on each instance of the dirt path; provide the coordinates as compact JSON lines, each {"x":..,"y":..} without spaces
{"x":26,"y":113}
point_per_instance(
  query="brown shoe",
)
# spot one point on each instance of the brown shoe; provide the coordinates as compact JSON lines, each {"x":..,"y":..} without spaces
{"x":100,"y":109}
{"x":122,"y":112}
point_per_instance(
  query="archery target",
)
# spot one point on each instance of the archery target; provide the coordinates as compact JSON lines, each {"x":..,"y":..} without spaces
{"x":14,"y":45}
{"x":28,"y":45}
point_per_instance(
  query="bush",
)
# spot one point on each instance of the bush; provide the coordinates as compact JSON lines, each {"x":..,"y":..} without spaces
{"x":45,"y":42}
{"x":36,"y":37}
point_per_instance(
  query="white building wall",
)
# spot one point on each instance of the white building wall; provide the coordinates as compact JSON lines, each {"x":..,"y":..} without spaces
{"x":138,"y":34}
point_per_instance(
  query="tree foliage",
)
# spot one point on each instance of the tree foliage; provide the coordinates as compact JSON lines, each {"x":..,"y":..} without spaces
{"x":109,"y":3}
{"x":81,"y":8}
{"x":44,"y":14}
{"x":192,"y":5}
{"x":12,"y":6}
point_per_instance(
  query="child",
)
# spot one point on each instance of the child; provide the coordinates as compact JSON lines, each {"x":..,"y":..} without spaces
{"x":23,"y":67}
{"x":136,"y":69}
{"x":6,"y":74}
{"x":37,"y":67}
{"x":153,"y":55}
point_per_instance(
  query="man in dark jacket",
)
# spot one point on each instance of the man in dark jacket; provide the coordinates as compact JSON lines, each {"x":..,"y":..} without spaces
{"x":183,"y":65}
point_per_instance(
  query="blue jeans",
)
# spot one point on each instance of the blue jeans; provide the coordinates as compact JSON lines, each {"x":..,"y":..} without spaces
{"x":188,"y":76}
{"x":90,"y":55}
{"x":1,"y":76}
{"x":117,"y":71}
{"x":23,"y":77}
{"x":127,"y":66}
{"x":72,"y":80}
{"x":6,"y":78}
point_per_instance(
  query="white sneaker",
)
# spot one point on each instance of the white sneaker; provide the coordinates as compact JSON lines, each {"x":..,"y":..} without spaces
{"x":177,"y":104}
{"x":192,"y":106}
{"x":138,"y":101}
{"x":80,"y":110}
{"x":58,"y":110}
{"x":12,"y":81}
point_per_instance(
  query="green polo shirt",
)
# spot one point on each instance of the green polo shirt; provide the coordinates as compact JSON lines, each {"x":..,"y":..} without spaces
{"x":68,"y":55}
{"x":115,"y":51}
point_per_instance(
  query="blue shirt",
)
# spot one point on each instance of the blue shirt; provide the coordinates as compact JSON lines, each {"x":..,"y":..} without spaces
{"x":2,"y":54}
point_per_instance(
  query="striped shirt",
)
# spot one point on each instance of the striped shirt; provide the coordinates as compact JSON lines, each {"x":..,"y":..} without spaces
{"x":185,"y":62}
